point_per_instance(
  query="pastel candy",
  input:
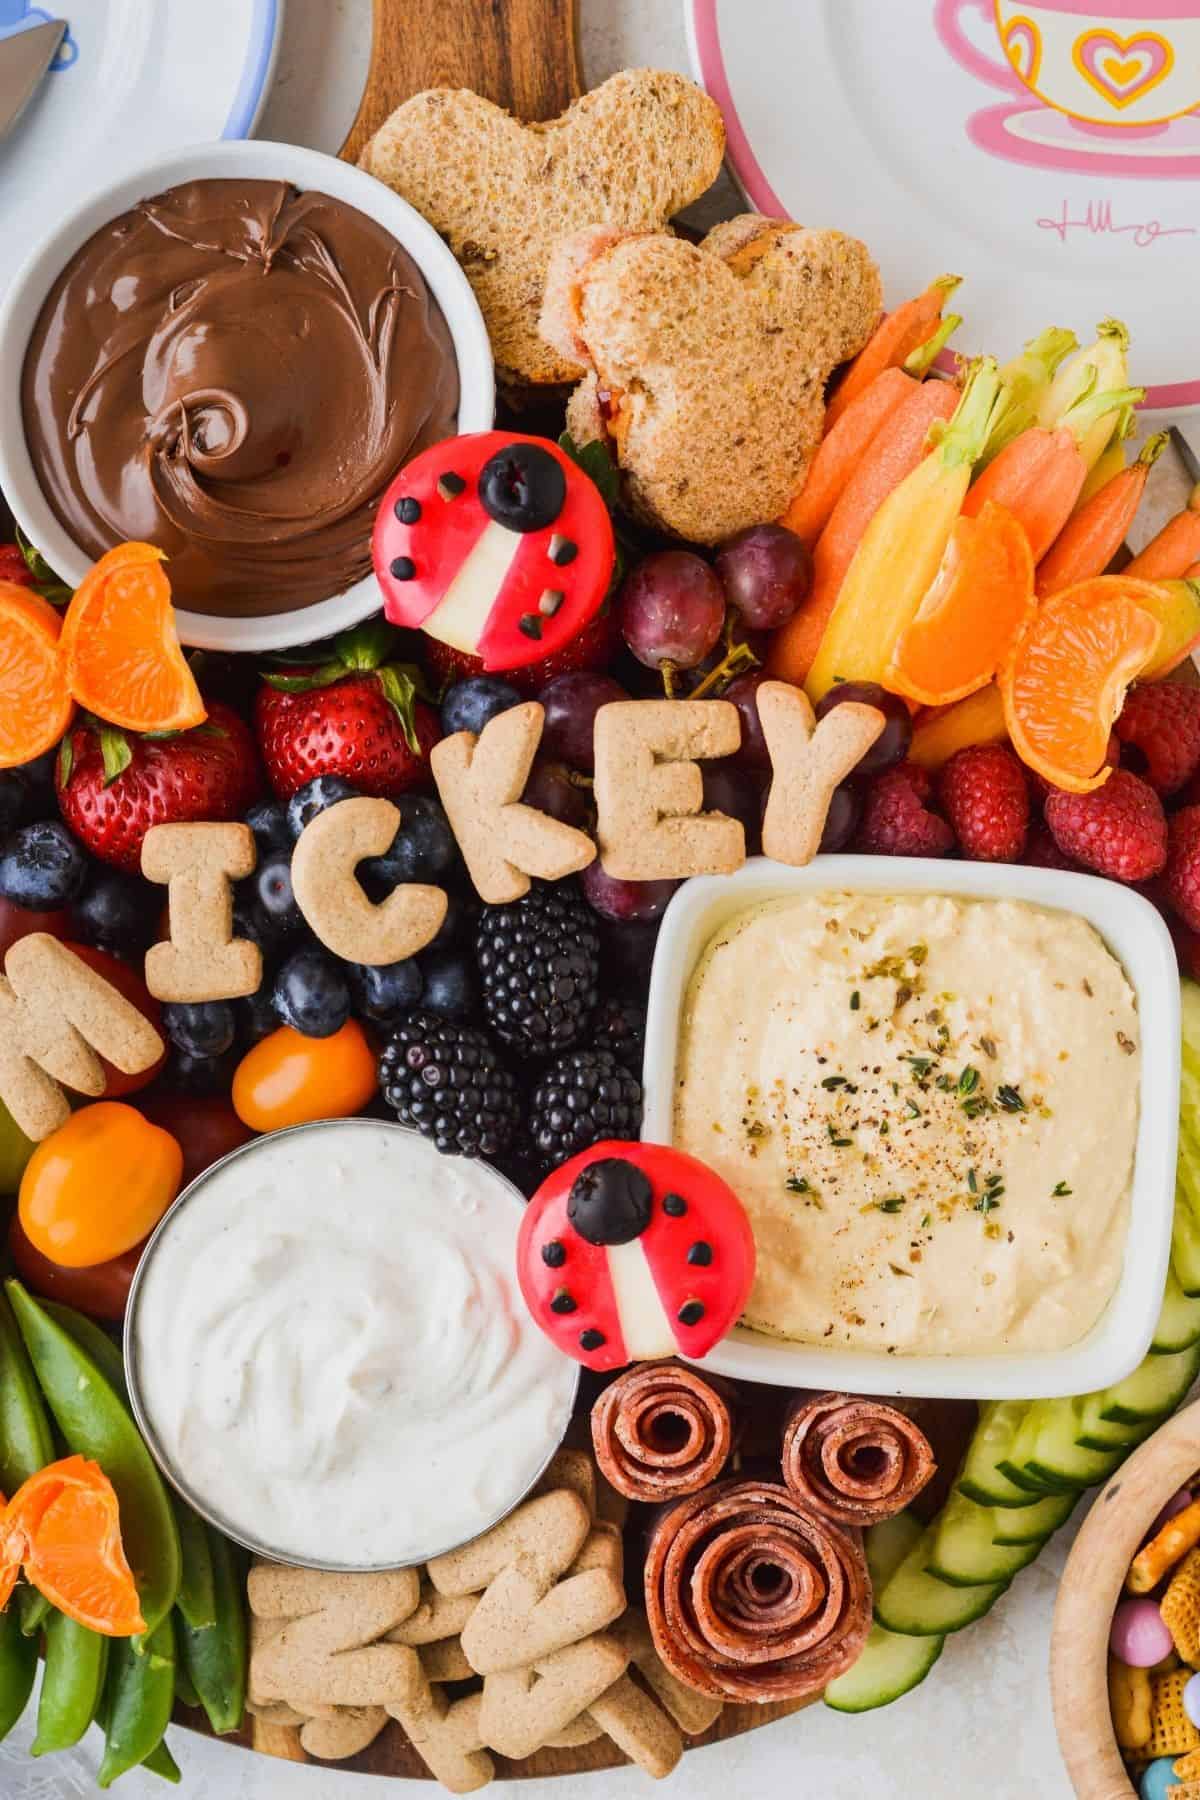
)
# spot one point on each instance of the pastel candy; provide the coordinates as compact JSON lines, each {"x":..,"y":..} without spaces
{"x":1138,"y":1637}
{"x":1174,"y":1505}
{"x":1191,"y":1700}
{"x":1157,"y":1777}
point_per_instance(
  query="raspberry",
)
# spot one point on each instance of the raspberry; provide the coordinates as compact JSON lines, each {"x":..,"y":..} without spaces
{"x":1187,"y":947}
{"x":896,"y":820}
{"x":1159,"y":729}
{"x":1042,"y":788}
{"x":1118,"y":830}
{"x":984,"y":795}
{"x":1041,"y":852}
{"x":1182,"y":881}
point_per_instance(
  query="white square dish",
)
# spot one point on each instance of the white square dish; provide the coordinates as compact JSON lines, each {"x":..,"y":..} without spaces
{"x":1133,"y":931}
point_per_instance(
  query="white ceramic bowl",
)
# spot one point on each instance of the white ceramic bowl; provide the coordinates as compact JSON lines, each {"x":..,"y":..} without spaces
{"x":255,"y":160}
{"x":1136,"y":935}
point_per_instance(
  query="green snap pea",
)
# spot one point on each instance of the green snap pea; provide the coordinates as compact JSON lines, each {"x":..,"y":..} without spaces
{"x":26,"y":1444}
{"x":185,"y":1691}
{"x":72,"y":1683}
{"x":138,"y":1697}
{"x":94,"y":1340}
{"x":197,"y":1599}
{"x":161,"y":1762}
{"x":92,"y":1418}
{"x":18,"y":1665}
{"x":215,"y":1658}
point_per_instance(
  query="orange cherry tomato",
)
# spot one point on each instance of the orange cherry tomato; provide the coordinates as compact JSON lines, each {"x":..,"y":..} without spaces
{"x":128,"y":983}
{"x":100,"y":1291}
{"x":288,"y":1079}
{"x":98,"y":1185}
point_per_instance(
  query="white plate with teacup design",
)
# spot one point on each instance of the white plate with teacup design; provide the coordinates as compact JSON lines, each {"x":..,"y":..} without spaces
{"x":1049,"y":149}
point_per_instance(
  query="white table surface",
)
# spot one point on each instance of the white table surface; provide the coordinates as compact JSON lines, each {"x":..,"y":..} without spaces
{"x":980,"y":1728}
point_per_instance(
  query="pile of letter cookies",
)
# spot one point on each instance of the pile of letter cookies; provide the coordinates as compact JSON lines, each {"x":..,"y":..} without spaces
{"x":526,"y":1638}
{"x":1154,"y":1657}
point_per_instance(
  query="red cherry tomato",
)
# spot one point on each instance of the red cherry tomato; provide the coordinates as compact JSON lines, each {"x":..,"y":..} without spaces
{"x":127,"y":981}
{"x":16,"y":922}
{"x":205,"y":1126}
{"x":100,"y":1291}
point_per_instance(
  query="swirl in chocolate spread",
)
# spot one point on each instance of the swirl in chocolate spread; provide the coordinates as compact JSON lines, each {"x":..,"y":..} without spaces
{"x":235,"y":371}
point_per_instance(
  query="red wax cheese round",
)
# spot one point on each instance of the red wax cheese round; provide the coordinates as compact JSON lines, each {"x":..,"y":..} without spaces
{"x":499,"y":545}
{"x":631,"y":1251}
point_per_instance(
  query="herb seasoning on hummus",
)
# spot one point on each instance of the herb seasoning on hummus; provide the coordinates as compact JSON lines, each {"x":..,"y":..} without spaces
{"x":928,"y":1107}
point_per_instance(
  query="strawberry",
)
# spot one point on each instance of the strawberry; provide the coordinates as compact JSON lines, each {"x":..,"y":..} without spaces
{"x":357,"y":716}
{"x":13,"y":566}
{"x":113,"y":786}
{"x":594,"y":648}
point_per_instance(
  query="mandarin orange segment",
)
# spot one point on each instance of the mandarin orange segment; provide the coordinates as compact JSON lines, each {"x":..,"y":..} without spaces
{"x":35,"y":701}
{"x":1065,"y":682}
{"x":122,"y":651}
{"x":972,"y":615}
{"x":12,"y":1551}
{"x":68,"y":1517}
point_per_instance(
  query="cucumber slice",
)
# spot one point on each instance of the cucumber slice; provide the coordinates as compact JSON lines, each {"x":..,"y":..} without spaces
{"x":1018,"y":1464}
{"x":888,"y":1543}
{"x":1033,"y":1524}
{"x":889,"y":1666}
{"x":980,"y":1478}
{"x":1178,"y":1325}
{"x":1185,"y":1243}
{"x":1156,"y":1387}
{"x":965,"y":1553}
{"x":916,"y":1604}
{"x":1096,"y":1433}
{"x":1056,"y":1456}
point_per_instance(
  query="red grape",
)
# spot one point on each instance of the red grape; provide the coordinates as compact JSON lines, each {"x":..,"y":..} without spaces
{"x":624,"y":902}
{"x":767,"y":573}
{"x":841,"y":821}
{"x":738,"y":793}
{"x":891,"y":746}
{"x":571,"y":703}
{"x":552,"y":791}
{"x":743,"y":693}
{"x":672,"y":608}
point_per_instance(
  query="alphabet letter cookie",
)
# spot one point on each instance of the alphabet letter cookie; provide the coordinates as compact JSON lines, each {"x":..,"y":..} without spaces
{"x":332,"y":899}
{"x":202,"y":960}
{"x":328,"y":1650}
{"x":649,"y":791}
{"x":808,"y":762}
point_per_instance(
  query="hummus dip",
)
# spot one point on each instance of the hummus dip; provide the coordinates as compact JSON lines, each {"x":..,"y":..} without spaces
{"x":929,"y":1108}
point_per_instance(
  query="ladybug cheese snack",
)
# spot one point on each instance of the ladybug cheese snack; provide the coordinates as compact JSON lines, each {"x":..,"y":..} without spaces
{"x":499,"y":545}
{"x":632,"y":1251}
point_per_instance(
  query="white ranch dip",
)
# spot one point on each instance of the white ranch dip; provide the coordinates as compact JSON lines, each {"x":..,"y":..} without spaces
{"x":332,"y":1351}
{"x":929,"y":1108}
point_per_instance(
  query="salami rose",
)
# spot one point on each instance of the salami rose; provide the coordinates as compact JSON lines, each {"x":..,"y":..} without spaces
{"x":854,"y":1459}
{"x":752,"y":1597}
{"x":661,"y":1431}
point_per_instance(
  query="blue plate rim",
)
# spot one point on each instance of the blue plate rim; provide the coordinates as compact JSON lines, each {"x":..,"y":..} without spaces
{"x":257,"y":70}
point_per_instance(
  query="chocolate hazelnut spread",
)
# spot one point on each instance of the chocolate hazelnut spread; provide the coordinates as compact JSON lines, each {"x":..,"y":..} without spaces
{"x":235,"y":371}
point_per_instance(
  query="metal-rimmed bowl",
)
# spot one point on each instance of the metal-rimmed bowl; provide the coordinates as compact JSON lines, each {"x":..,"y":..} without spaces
{"x":178,"y":1479}
{"x":256,"y":160}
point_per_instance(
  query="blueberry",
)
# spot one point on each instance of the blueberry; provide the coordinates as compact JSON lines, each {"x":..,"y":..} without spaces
{"x":314,"y":797}
{"x":256,"y":1016}
{"x":116,"y":911}
{"x":269,"y":823}
{"x":311,"y":994}
{"x":271,"y":887}
{"x":42,"y":867}
{"x":523,"y":487}
{"x":459,"y":920}
{"x":423,"y":849}
{"x":469,"y":705}
{"x":14,"y":798}
{"x":450,"y":984}
{"x":383,"y":992}
{"x":187,"y":1074}
{"x":204,"y":1030}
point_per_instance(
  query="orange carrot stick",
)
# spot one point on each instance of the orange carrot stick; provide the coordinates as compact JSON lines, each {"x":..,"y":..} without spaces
{"x":894,"y":454}
{"x":1177,"y":546}
{"x":843,"y":447}
{"x":895,"y":338}
{"x":1092,"y":536}
{"x":1038,"y":477}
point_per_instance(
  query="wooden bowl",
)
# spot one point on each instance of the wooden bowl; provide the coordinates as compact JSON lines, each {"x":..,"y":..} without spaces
{"x":1091,"y":1586}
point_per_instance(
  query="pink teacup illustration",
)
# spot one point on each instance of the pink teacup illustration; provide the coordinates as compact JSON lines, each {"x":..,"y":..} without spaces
{"x":1115,"y":65}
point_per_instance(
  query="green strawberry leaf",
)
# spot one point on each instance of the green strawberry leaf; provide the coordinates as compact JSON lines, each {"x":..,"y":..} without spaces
{"x":366,"y":648}
{"x":66,"y":761}
{"x":115,"y":753}
{"x":48,"y":584}
{"x":597,"y":465}
{"x":400,"y":691}
{"x":322,"y":677}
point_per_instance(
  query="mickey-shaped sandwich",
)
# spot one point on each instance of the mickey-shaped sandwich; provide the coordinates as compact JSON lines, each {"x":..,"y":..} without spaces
{"x":497,"y":544}
{"x":633,"y":1251}
{"x":708,"y":363}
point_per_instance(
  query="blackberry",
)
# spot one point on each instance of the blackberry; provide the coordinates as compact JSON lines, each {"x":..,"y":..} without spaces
{"x":621,"y":1027}
{"x":539,"y":962}
{"x":447,"y":1082}
{"x":581,"y":1098}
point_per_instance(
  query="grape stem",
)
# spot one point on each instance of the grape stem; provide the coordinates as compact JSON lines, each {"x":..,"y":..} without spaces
{"x":667,"y":671}
{"x":738,"y":658}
